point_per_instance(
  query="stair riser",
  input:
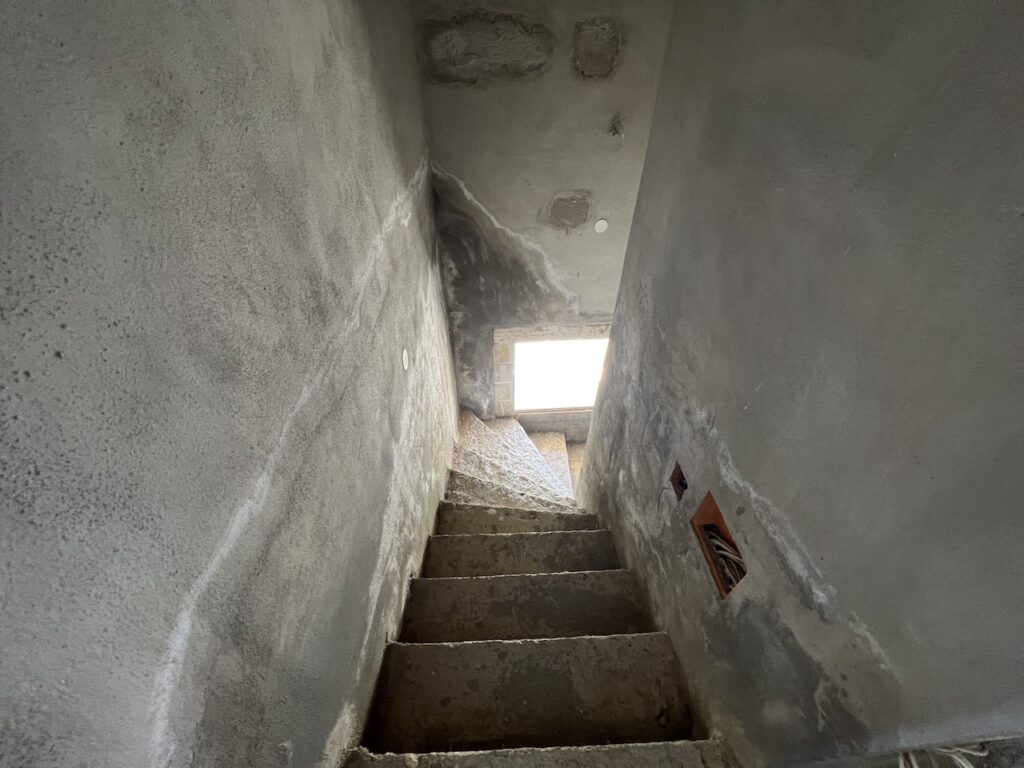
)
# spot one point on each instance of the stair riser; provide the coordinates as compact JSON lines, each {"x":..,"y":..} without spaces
{"x":552,"y":447}
{"x":463,"y":519}
{"x":545,"y":487}
{"x":490,"y":555}
{"x":505,"y":443}
{"x":672,"y":754}
{"x":500,"y":491}
{"x":529,"y":693}
{"x":514,"y":607}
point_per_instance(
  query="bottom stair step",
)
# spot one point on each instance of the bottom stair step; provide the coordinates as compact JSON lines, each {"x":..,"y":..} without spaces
{"x":665,"y":754}
{"x":497,"y":694}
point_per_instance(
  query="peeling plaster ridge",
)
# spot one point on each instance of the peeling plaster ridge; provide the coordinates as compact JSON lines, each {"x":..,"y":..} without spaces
{"x":163,"y":740}
{"x":789,"y":544}
{"x":542,"y":261}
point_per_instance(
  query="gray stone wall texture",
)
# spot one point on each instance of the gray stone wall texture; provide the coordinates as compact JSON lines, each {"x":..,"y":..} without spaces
{"x":821,"y":319}
{"x":217,"y":475}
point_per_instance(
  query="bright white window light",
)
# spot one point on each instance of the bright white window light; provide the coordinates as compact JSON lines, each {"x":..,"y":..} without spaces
{"x":558,"y":374}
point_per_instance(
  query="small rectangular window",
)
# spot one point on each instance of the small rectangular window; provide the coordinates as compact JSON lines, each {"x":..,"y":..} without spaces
{"x":550,"y":375}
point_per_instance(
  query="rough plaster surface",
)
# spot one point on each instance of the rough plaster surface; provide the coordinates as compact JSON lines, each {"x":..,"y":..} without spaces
{"x":595,"y":46}
{"x":534,"y":552}
{"x":666,"y":754}
{"x":535,"y":693}
{"x":569,"y":210}
{"x":509,"y":148}
{"x":480,"y":46}
{"x":217,"y":476}
{"x":821,"y":319}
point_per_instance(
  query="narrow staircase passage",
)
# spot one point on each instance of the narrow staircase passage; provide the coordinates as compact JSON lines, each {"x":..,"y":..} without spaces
{"x":524,"y":642}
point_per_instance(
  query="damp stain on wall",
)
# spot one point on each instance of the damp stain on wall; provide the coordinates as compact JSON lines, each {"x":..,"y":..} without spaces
{"x":595,"y":47}
{"x":568,"y":210}
{"x":493,"y":277}
{"x":481,"y":46}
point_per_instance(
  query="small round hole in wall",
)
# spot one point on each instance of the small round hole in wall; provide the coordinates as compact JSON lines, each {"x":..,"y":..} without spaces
{"x":601,"y":226}
{"x":405,"y":359}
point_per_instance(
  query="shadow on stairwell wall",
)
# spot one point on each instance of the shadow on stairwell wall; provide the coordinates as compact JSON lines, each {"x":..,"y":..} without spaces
{"x":493,"y":277}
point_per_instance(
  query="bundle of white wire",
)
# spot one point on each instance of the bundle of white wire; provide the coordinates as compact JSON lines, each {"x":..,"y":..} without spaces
{"x":958,"y":756}
{"x":732,"y":566}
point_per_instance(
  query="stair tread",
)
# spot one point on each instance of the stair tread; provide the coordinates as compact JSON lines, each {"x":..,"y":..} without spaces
{"x":482,"y":518}
{"x":469,"y":461}
{"x":531,"y":552}
{"x":513,"y":434}
{"x":659,"y":754}
{"x":500,"y":441}
{"x":553,"y":448}
{"x":487,"y":694}
{"x":468,"y":488}
{"x":519,"y":606}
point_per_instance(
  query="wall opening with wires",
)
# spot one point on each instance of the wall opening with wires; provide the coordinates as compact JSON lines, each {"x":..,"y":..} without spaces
{"x":716,"y":542}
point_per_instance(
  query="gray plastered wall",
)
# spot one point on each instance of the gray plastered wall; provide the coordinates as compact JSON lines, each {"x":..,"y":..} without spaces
{"x":217,"y":474}
{"x":820,"y":318}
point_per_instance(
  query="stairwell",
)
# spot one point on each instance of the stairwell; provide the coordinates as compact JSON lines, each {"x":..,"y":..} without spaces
{"x":524,"y":642}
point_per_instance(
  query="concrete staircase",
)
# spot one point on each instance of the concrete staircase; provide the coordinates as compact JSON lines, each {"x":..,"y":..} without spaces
{"x":523,"y":642}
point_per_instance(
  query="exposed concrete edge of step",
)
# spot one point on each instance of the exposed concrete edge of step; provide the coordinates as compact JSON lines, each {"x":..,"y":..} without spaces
{"x":513,"y":432}
{"x":551,"y":642}
{"x":469,"y":462}
{"x":511,"y":577}
{"x":501,"y":443}
{"x":658,"y":754}
{"x":467,"y":555}
{"x":524,"y":606}
{"x":473,"y":490}
{"x":602,"y":531}
{"x":525,"y":503}
{"x":514,"y":456}
{"x":515,"y":483}
{"x":553,"y":448}
{"x":469,"y":519}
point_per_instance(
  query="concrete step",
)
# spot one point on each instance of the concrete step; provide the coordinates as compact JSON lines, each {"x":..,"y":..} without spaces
{"x":455,"y":518}
{"x":663,"y":754}
{"x":503,"y":442}
{"x":552,"y":447}
{"x":524,"y":606}
{"x":475,"y":490}
{"x":508,"y":553}
{"x":512,"y":433}
{"x":468,"y":462}
{"x":575,"y":452}
{"x":497,"y":694}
